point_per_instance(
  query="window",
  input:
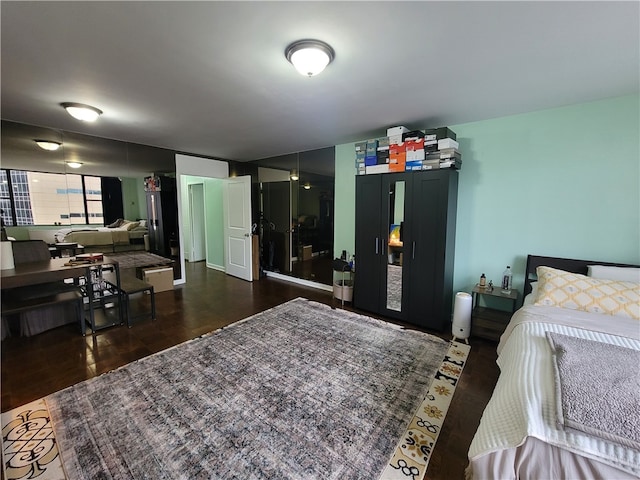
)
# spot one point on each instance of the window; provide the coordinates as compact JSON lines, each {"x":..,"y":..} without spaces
{"x":38,"y":198}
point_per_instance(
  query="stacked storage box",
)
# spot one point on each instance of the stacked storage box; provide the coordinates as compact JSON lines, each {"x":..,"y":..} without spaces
{"x":404,"y":150}
{"x":441,"y":149}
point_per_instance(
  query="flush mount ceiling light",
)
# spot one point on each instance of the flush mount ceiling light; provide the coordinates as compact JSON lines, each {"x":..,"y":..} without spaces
{"x":293,"y":175}
{"x":310,"y":57}
{"x":48,"y":145}
{"x":307,"y":186}
{"x":86,"y":113}
{"x":74,"y":164}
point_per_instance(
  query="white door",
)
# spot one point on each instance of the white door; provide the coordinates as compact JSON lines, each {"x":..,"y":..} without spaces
{"x":196,"y":206}
{"x":236,"y":200}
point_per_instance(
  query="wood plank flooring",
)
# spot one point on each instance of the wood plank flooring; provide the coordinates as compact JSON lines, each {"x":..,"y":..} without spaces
{"x":37,"y":366}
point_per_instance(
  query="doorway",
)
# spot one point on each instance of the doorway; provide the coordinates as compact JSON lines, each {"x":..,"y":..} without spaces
{"x":198,"y":234}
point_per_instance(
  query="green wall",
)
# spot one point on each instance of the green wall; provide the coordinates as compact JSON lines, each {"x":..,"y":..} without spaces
{"x":561,"y":182}
{"x":214,"y":219}
{"x":134,"y":199}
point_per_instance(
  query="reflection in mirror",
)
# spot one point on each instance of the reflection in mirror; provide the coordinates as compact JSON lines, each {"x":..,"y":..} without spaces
{"x":49,"y":197}
{"x":395,"y":243}
{"x":297,"y":215}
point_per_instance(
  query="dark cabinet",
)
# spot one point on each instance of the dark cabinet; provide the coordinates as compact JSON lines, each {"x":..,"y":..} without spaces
{"x":162,"y":215}
{"x":405,"y":239}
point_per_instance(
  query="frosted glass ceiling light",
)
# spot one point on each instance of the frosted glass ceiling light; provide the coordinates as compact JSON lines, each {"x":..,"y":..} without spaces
{"x":86,"y":113}
{"x":48,"y":145}
{"x":74,"y":164}
{"x":310,"y":57}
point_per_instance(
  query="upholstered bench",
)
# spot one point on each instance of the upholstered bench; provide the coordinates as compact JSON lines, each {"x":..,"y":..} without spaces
{"x":13,"y":304}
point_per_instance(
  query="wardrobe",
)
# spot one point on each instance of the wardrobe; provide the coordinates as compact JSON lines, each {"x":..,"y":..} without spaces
{"x":405,"y":239}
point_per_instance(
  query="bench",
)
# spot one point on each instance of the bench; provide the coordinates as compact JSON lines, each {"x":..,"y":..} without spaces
{"x":13,"y":304}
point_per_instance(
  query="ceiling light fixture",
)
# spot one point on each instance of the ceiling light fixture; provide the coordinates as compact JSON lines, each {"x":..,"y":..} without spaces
{"x":48,"y":145}
{"x":74,"y":164}
{"x":307,"y":186}
{"x":310,"y":57}
{"x":293,"y":175}
{"x":83,"y":112}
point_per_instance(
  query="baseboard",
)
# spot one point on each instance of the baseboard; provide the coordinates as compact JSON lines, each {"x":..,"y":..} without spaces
{"x":300,"y":281}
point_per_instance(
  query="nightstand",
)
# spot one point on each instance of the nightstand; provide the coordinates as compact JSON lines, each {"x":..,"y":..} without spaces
{"x":489,"y":322}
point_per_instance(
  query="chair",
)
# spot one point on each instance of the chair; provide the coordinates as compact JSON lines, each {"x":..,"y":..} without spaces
{"x":27,"y":251}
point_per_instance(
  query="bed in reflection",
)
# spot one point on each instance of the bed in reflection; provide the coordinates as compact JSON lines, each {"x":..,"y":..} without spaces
{"x":580,"y":321}
{"x":122,"y":233}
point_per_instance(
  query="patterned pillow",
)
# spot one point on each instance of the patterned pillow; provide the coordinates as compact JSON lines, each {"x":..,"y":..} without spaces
{"x":579,"y":292}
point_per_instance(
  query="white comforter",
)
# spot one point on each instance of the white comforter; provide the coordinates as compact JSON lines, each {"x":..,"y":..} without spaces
{"x":522,"y":405}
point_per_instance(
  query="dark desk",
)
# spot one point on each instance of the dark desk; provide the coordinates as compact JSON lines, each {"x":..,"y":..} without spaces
{"x":37,"y":273}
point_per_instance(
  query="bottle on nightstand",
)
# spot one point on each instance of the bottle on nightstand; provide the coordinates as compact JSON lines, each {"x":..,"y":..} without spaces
{"x":507,"y":279}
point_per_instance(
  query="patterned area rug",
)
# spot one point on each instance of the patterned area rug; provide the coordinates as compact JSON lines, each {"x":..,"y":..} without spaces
{"x":139,"y":259}
{"x":298,"y":391}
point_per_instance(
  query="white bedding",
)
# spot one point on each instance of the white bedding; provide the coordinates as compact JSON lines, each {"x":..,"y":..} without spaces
{"x":100,"y":235}
{"x":522,"y":407}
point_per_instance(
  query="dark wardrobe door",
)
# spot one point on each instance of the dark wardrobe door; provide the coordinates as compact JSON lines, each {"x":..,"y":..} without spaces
{"x":432,"y":232}
{"x":366,"y":288}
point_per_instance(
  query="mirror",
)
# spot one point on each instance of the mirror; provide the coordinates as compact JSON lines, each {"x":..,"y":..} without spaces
{"x":296,"y":221}
{"x":109,"y":184}
{"x":395,"y":245}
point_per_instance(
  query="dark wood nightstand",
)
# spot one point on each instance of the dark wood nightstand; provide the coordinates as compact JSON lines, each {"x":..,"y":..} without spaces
{"x":489,"y":322}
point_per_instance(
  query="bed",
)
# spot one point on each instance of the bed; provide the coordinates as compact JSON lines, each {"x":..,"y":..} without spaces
{"x":123,"y":232}
{"x":531,"y":427}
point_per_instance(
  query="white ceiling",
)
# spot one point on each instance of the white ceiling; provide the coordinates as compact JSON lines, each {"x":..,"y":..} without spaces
{"x":210,"y":78}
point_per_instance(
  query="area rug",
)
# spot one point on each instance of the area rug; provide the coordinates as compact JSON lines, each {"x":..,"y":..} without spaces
{"x":139,"y":259}
{"x":298,"y":391}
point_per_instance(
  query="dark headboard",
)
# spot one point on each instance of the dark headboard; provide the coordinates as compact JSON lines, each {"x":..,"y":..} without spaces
{"x":566,"y":264}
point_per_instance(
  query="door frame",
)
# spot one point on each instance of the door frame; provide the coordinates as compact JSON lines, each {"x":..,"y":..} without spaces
{"x":187,"y":165}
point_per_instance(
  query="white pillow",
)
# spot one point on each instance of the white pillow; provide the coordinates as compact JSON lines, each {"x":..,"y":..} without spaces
{"x":621,"y":274}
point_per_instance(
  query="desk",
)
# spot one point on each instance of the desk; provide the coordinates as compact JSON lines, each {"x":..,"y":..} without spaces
{"x":37,"y":273}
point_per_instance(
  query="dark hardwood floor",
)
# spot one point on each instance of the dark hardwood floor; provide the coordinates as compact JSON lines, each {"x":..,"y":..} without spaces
{"x":37,"y":366}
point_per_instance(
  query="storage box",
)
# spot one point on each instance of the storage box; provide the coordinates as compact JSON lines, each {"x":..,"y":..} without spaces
{"x":431,"y":164}
{"x":368,"y":161}
{"x":450,"y":153}
{"x":396,"y":131}
{"x":413,"y":135}
{"x":361,"y":146}
{"x":160,"y":277}
{"x":383,"y":156}
{"x":383,"y":142}
{"x":415,"y":150}
{"x":378,"y":169}
{"x":395,"y":139}
{"x":399,"y":166}
{"x":442,"y":132}
{"x":445,"y":143}
{"x":432,"y":135}
{"x":412,"y":165}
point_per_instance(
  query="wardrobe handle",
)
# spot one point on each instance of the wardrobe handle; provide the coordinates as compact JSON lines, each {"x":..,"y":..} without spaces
{"x":413,"y":250}
{"x":377,"y":246}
